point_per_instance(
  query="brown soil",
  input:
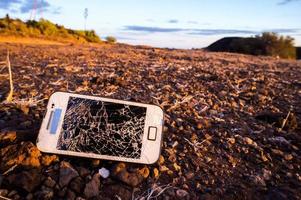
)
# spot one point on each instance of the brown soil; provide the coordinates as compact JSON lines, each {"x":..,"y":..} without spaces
{"x":232,"y":123}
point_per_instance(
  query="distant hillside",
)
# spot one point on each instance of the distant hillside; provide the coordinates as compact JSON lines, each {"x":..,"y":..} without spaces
{"x":298,"y":53}
{"x":249,"y":45}
{"x":269,"y":44}
{"x":45,"y":29}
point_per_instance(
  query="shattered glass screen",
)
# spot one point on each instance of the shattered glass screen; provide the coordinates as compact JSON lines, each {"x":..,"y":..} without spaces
{"x":102,"y":128}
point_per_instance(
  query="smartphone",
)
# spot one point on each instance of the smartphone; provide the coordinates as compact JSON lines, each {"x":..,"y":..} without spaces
{"x":101,"y":128}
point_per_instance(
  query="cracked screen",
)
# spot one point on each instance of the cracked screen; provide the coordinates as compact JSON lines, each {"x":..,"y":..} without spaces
{"x":102,"y":128}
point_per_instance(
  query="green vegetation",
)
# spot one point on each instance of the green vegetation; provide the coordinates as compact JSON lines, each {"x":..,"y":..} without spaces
{"x":111,"y":39}
{"x":276,"y":45}
{"x":269,"y":44}
{"x":44,"y":29}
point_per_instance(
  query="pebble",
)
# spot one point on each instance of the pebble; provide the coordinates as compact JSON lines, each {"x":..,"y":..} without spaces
{"x":181,"y":193}
{"x":155,"y":173}
{"x":49,"y":182}
{"x":288,"y":157}
{"x":67,"y":173}
{"x":231,"y":140}
{"x":104,"y":173}
{"x":92,"y":187}
{"x":3,"y":192}
{"x":161,"y":160}
{"x":163,"y":168}
{"x":144,"y":172}
{"x":77,"y":184}
{"x":28,"y":180}
{"x":176,"y":167}
{"x":49,"y":159}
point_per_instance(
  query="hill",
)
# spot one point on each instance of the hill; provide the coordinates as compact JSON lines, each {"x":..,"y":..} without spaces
{"x":298,"y":50}
{"x":45,"y":29}
{"x":231,"y":127}
{"x":268,"y":44}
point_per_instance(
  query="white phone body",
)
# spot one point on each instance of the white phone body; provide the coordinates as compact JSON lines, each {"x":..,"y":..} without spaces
{"x":63,"y":131}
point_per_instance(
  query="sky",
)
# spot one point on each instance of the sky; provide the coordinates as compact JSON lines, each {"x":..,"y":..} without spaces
{"x":167,"y":23}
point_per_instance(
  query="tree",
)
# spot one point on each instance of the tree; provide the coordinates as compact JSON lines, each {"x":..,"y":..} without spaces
{"x":275,"y":45}
{"x":111,"y":39}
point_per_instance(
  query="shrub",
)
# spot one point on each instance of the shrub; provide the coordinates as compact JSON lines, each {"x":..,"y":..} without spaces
{"x":111,"y":39}
{"x":45,"y":29}
{"x":269,"y":44}
{"x":276,"y":45}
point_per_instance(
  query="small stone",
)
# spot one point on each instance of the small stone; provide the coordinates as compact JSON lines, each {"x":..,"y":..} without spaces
{"x":181,"y":193}
{"x":46,"y":193}
{"x":133,"y":179}
{"x":104,"y":173}
{"x":277,"y":152}
{"x":155,"y":173}
{"x":207,"y":159}
{"x":144,"y":172}
{"x":161,"y":160}
{"x":189,"y":175}
{"x":62,"y":192}
{"x":118,"y":168}
{"x":29,"y":196}
{"x":28,"y":180}
{"x":163,"y":168}
{"x":92,"y":187}
{"x":67,"y":173}
{"x":288,"y":157}
{"x":199,"y":125}
{"x":3,"y":192}
{"x":26,"y":124}
{"x":47,"y":159}
{"x":24,"y":108}
{"x":231,"y":140}
{"x":70,"y":195}
{"x":25,"y":153}
{"x":83,"y":172}
{"x":95,"y":162}
{"x":266,"y":174}
{"x":176,"y":167}
{"x":208,"y":137}
{"x":77,"y":184}
{"x":7,"y":137}
{"x":12,"y":193}
{"x":248,"y":140}
{"x":49,"y":182}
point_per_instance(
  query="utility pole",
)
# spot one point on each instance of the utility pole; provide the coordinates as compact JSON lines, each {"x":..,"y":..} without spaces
{"x":86,"y":16}
{"x":33,"y":11}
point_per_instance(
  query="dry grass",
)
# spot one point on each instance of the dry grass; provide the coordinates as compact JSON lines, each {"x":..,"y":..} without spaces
{"x":9,"y":98}
{"x":28,"y":40}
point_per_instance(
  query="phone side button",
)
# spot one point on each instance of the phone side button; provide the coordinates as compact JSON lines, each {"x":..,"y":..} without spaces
{"x":152,"y":133}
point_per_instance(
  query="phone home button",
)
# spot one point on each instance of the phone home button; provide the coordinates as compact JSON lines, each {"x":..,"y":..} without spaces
{"x":152,"y":133}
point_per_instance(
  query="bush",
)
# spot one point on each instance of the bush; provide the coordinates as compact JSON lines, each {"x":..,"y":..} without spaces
{"x":269,"y":44}
{"x":276,"y":45}
{"x":45,"y":29}
{"x":111,"y":39}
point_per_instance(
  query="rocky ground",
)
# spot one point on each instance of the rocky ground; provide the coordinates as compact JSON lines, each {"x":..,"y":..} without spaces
{"x":232,"y":123}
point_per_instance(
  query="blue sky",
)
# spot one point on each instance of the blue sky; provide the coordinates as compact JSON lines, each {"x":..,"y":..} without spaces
{"x":168,"y":23}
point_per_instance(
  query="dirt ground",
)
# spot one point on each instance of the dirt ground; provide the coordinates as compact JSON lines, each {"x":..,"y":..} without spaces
{"x":232,"y":123}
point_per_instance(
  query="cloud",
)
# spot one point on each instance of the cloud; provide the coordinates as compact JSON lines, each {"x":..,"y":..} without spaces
{"x":173,"y":21}
{"x":283,"y":30}
{"x":189,"y":31}
{"x":284,"y":2}
{"x":29,"y":4}
{"x":192,"y":22}
{"x":25,"y":6}
{"x":220,"y":32}
{"x":208,"y":32}
{"x":6,"y":4}
{"x":151,"y":29}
